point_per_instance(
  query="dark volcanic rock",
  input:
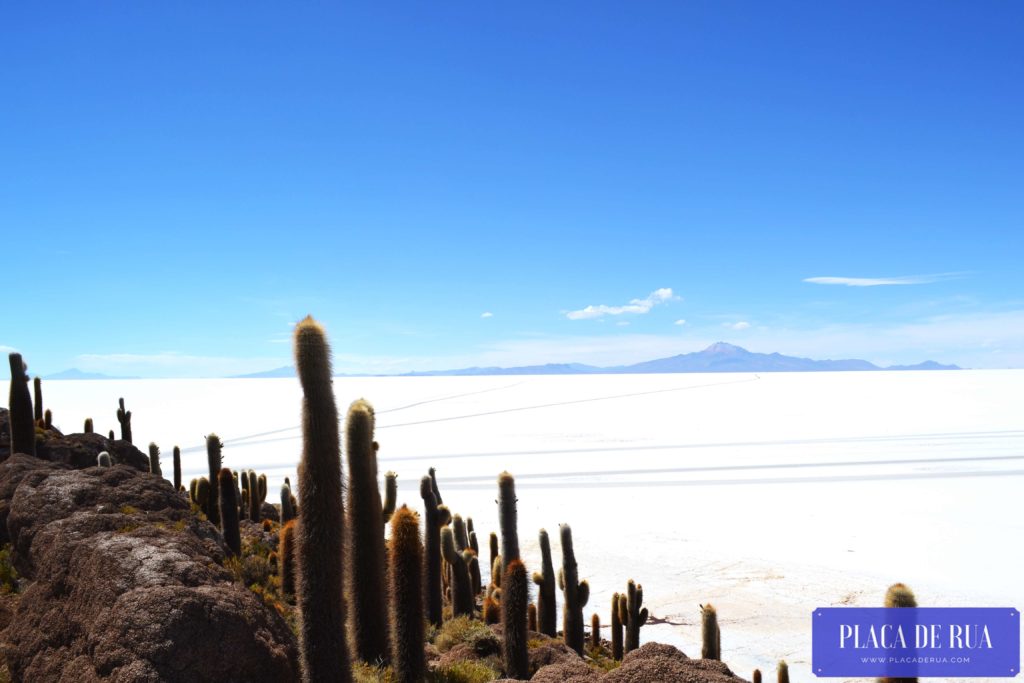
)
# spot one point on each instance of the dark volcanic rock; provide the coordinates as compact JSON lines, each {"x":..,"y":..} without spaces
{"x":656,"y":662}
{"x":77,"y":450}
{"x":126,"y":584}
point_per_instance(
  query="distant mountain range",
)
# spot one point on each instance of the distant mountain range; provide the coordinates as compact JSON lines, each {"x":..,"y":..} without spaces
{"x":719,"y":357}
{"x":75,"y":373}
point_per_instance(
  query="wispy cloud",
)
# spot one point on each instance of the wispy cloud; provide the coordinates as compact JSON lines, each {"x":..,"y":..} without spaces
{"x":679,"y":322}
{"x":635,"y":306}
{"x":882,"y":281}
{"x":622,"y":323}
{"x":486,"y":314}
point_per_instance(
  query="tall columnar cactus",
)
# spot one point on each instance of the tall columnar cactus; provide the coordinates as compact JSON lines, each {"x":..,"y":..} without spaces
{"x":433,"y":486}
{"x":595,"y":630}
{"x":103,"y":459}
{"x":390,"y":496}
{"x":37,"y":387}
{"x":287,"y":540}
{"x":215,"y":460}
{"x":783,"y":672}
{"x":154,"y":460}
{"x":632,"y":615}
{"x":261,"y":486}
{"x":474,"y":571}
{"x":514,"y":600}
{"x":547,"y":613}
{"x":88,"y":428}
{"x":494,"y":554}
{"x":203,"y":494}
{"x":177,"y":469}
{"x":405,"y":572}
{"x":461,"y":536}
{"x":575,"y":593}
{"x":618,"y":608}
{"x":125,"y":418}
{"x":366,"y":576}
{"x":287,"y":511}
{"x":711,"y":646}
{"x":508,"y":518}
{"x":434,"y":517}
{"x":462,"y":588}
{"x":321,"y":546}
{"x":229,"y":511}
{"x":22,"y":427}
{"x":254,"y":497}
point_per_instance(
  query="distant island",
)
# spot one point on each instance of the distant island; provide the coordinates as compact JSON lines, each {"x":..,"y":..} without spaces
{"x":75,"y":373}
{"x":719,"y":357}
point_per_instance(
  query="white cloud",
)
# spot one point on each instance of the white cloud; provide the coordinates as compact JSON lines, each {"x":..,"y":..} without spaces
{"x":679,"y":322}
{"x":622,"y":323}
{"x":881,"y":281}
{"x":738,"y":326}
{"x":486,"y":314}
{"x":637,"y":306}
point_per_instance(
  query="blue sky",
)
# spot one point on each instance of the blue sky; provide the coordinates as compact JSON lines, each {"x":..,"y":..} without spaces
{"x":450,"y":184}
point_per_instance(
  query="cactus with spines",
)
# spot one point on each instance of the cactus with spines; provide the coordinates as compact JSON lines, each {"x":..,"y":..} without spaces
{"x":783,"y":672}
{"x":110,"y":435}
{"x":215,"y":460}
{"x":254,"y":497}
{"x":531,"y":618}
{"x":575,"y":593}
{"x":287,"y":511}
{"x":405,"y":574}
{"x":124,"y":417}
{"x":493,"y":543}
{"x":37,"y":388}
{"x":514,"y":600}
{"x":193,"y":498}
{"x":618,"y":608}
{"x":547,"y":613}
{"x":492,"y":605}
{"x":595,"y":630}
{"x":47,"y":419}
{"x":287,"y":567}
{"x":203,"y":493}
{"x":632,"y":615}
{"x":899,"y":595}
{"x":496,"y":571}
{"x":459,"y":528}
{"x":229,"y":511}
{"x":177,"y":469}
{"x":103,"y":459}
{"x":474,"y":571}
{"x":366,"y":559}
{"x":321,"y":547}
{"x":756,"y":678}
{"x":508,"y":518}
{"x":87,"y":428}
{"x":21,"y":425}
{"x":390,"y":496}
{"x":261,"y":484}
{"x":472,"y":537}
{"x":711,"y":646}
{"x":462,"y":589}
{"x":154,"y":460}
{"x":433,"y":520}
{"x":433,"y":486}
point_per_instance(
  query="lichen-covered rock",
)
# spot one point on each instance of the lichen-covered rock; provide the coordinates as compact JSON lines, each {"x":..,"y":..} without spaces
{"x":657,"y":662}
{"x":126,"y":584}
{"x":567,"y":671}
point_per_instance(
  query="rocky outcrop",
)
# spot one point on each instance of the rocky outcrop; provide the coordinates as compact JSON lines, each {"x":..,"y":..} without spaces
{"x":125,"y":583}
{"x":657,"y":662}
{"x":75,"y":450}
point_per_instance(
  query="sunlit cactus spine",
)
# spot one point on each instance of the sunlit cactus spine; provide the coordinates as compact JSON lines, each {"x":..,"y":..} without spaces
{"x":508,"y":518}
{"x":229,"y":511}
{"x":618,"y":609}
{"x":547,"y":613}
{"x":215,"y":460}
{"x":37,"y":388}
{"x":575,"y":593}
{"x":515,"y":597}
{"x":154,"y":460}
{"x":405,"y":572}
{"x":124,"y":417}
{"x":783,"y":672}
{"x":21,"y":423}
{"x":88,"y":428}
{"x":390,"y":496}
{"x":287,"y":511}
{"x":632,"y":615}
{"x":103,"y":459}
{"x":433,"y":520}
{"x":367,"y":583}
{"x":711,"y":646}
{"x":462,"y":588}
{"x":321,"y":547}
{"x":177,"y":469}
{"x":287,"y":567}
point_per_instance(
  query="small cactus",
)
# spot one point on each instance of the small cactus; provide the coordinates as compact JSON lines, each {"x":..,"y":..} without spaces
{"x":110,"y":435}
{"x":493,"y":544}
{"x":595,"y":630}
{"x":711,"y":646}
{"x":545,"y":579}
{"x":192,"y":496}
{"x":783,"y":672}
{"x":287,"y":511}
{"x":21,"y":425}
{"x":405,"y":571}
{"x":229,"y":511}
{"x":756,"y":678}
{"x":37,"y":388}
{"x":215,"y":460}
{"x":88,"y":428}
{"x":575,"y":594}
{"x":203,"y":493}
{"x":514,"y":600}
{"x":531,"y":618}
{"x":177,"y":469}
{"x":103,"y":459}
{"x":462,"y":589}
{"x":154,"y":460}
{"x":47,"y":419}
{"x":125,"y":418}
{"x":287,"y":569}
{"x":390,"y":495}
{"x":632,"y":615}
{"x":618,"y":609}
{"x":899,"y":595}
